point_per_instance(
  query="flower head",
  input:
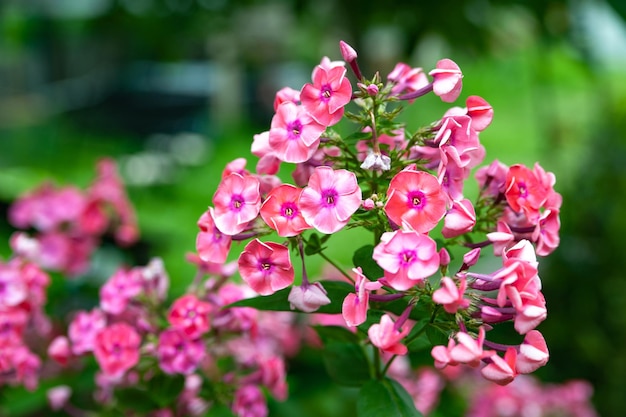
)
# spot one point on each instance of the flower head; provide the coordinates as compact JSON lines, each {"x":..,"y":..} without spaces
{"x":266,"y":266}
{"x":237,"y":202}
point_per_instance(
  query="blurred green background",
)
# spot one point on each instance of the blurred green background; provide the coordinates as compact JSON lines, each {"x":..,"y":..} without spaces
{"x":174,"y":89}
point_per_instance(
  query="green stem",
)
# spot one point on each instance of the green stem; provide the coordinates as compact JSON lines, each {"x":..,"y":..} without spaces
{"x":333,"y":263}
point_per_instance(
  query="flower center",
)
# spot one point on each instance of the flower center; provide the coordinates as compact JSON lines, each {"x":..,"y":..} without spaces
{"x":523,"y":191}
{"x":407,"y":257}
{"x":329,"y":198}
{"x":236,"y":202}
{"x":265,"y":266}
{"x":289,"y":210}
{"x":416,"y":200}
{"x":294,"y":129}
{"x":325,"y":93}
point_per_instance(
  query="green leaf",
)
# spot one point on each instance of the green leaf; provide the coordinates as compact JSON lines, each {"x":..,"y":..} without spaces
{"x":164,"y":389}
{"x":363,"y":258}
{"x":346,"y":363}
{"x":385,"y":398}
{"x":219,"y":410}
{"x":336,"y":291}
{"x":335,"y":334}
{"x":436,"y":335}
{"x":135,"y":399}
{"x":314,"y":244}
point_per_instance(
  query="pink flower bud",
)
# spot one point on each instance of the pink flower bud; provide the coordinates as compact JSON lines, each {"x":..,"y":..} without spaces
{"x":308,"y":298}
{"x":347,"y":52}
{"x":447,"y":82}
{"x":471,"y":257}
{"x":368,"y":204}
{"x":58,"y":396}
{"x":59,"y":350}
{"x":444,"y":257}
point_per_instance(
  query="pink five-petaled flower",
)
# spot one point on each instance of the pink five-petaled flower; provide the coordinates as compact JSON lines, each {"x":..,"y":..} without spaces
{"x":460,"y":219}
{"x":329,"y":200}
{"x":355,"y":305}
{"x":417,"y":198}
{"x":468,"y":350}
{"x":533,"y":353}
{"x":407,"y":257}
{"x":84,"y":328}
{"x":294,"y":135}
{"x":524,"y":191}
{"x":266,"y":266}
{"x":447,"y":80}
{"x":211,"y":244}
{"x":116,"y":349}
{"x":501,"y":370}
{"x":326,"y":98}
{"x":280,"y":211}
{"x":451,"y":296}
{"x":177,"y":353}
{"x":190,"y":315}
{"x":237,"y":201}
{"x":387,"y":337}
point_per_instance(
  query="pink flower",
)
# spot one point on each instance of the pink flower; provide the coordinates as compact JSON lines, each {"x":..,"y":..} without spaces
{"x":524,"y":192}
{"x":59,"y":350}
{"x":266,"y":266}
{"x":533,"y":353}
{"x":501,"y":370}
{"x":294,"y":135}
{"x":406,"y":79}
{"x":211,"y":244}
{"x":326,"y":97}
{"x":177,"y":353}
{"x":249,"y":402}
{"x":330,"y":199}
{"x":480,"y":111}
{"x":458,"y":142}
{"x":280,"y":211}
{"x":447,"y":80}
{"x":286,"y":94}
{"x":468,"y":350}
{"x":237,"y":202}
{"x":308,"y":298}
{"x":13,"y":287}
{"x":450,"y":296}
{"x":460,"y":219}
{"x":355,"y":305}
{"x":491,"y":179}
{"x":268,"y":162}
{"x":416,"y":197}
{"x":117,"y":292}
{"x":441,"y":355}
{"x":83,"y":329}
{"x":530,"y":314}
{"x":58,"y":396}
{"x":546,"y":234}
{"x":387,"y":337}
{"x":408,"y":257}
{"x":190,"y":315}
{"x":116,"y":349}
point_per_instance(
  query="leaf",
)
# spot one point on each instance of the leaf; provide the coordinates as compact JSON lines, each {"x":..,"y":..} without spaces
{"x":135,"y":399}
{"x":314,"y":244}
{"x":363,"y":258}
{"x":436,"y":335}
{"x":336,"y":291}
{"x":346,"y":363}
{"x":165,"y":389}
{"x":385,"y":398}
{"x":335,"y":334}
{"x":219,"y":410}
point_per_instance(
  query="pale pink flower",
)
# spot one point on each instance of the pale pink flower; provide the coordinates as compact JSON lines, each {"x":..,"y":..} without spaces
{"x":308,"y":298}
{"x":177,"y":353}
{"x":460,"y":219}
{"x":330,"y":199}
{"x":441,"y":355}
{"x":281,"y":212}
{"x":408,"y":257}
{"x":480,"y":111}
{"x":249,"y":402}
{"x":237,"y":202}
{"x":387,"y":337}
{"x":355,"y":305}
{"x":416,"y":197}
{"x":190,"y":315}
{"x":13,"y":287}
{"x":451,"y":296}
{"x":326,"y":98}
{"x":502,"y":239}
{"x":406,"y":79}
{"x":211,"y":244}
{"x":266,"y":266}
{"x":546,"y":234}
{"x":501,"y":370}
{"x":58,"y":396}
{"x":533,"y":353}
{"x":458,"y":142}
{"x":286,"y":94}
{"x":468,"y":350}
{"x":83,"y":329}
{"x":294,"y":135}
{"x":530,"y":314}
{"x":116,"y":349}
{"x":268,"y":162}
{"x":59,"y":350}
{"x":447,"y":80}
{"x":492,"y":178}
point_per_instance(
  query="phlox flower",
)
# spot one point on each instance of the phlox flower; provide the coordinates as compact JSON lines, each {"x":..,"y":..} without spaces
{"x":330,"y":199}
{"x":468,"y":350}
{"x":406,"y":79}
{"x":190,"y":315}
{"x":387,"y":337}
{"x":417,"y":198}
{"x":83,"y":329}
{"x":13,"y":287}
{"x":249,"y":401}
{"x":408,"y":257}
{"x":326,"y":97}
{"x":546,"y":234}
{"x":441,"y":355}
{"x":286,"y":94}
{"x":501,"y":370}
{"x":211,"y":244}
{"x":458,"y":142}
{"x":460,"y":219}
{"x":58,"y":396}
{"x":117,"y":292}
{"x":268,"y":162}
{"x":116,"y":349}
{"x":177,"y":353}
{"x":480,"y":111}
{"x":355,"y":305}
{"x":524,"y":191}
{"x":492,"y":178}
{"x":447,"y":80}
{"x":451,"y":296}
{"x":281,"y":212}
{"x":530,"y":314}
{"x":266,"y":266}
{"x":294,"y":135}
{"x":308,"y":298}
{"x":533,"y":353}
{"x":237,"y":201}
{"x":59,"y":350}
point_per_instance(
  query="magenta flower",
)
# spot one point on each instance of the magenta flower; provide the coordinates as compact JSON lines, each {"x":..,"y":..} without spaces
{"x":177,"y":353}
{"x":460,"y":219}
{"x":249,"y":401}
{"x":407,"y":257}
{"x":116,"y":349}
{"x":237,"y":202}
{"x":117,"y":292}
{"x":190,"y":315}
{"x":266,"y":266}
{"x":83,"y":329}
{"x":326,"y":97}
{"x":387,"y":337}
{"x":447,"y":80}
{"x":330,"y":199}
{"x":211,"y":244}
{"x":417,"y":198}
{"x":294,"y":135}
{"x":281,"y":212}
{"x":407,"y":80}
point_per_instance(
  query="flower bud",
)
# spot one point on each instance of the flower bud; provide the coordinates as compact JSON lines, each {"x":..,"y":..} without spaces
{"x":308,"y":298}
